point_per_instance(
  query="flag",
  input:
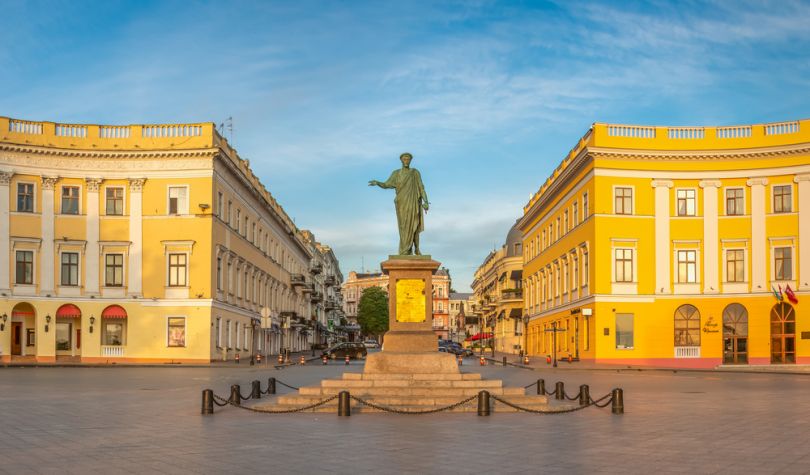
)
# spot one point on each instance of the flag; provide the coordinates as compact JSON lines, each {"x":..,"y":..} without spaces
{"x":776,"y":294}
{"x":790,"y":295}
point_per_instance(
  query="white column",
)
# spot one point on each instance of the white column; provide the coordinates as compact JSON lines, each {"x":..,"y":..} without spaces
{"x":135,"y":236}
{"x":5,"y":231}
{"x":663,"y":260}
{"x":91,"y":256}
{"x":711,"y":265}
{"x":804,"y":231}
{"x":46,"y":258}
{"x":758,"y":254}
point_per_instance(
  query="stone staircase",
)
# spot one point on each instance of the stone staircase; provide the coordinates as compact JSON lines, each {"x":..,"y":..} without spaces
{"x":407,"y":392}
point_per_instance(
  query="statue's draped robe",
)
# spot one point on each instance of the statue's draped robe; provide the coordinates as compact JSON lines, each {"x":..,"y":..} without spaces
{"x":408,"y":201}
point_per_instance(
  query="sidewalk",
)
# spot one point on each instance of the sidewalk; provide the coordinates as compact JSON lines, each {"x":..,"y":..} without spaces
{"x":539,"y":363}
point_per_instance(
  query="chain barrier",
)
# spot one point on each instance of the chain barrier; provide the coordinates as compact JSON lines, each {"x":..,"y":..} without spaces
{"x":270,"y":411}
{"x":287,"y":385}
{"x":560,"y":411}
{"x":593,"y":402}
{"x":400,"y":411}
{"x":575,"y":398}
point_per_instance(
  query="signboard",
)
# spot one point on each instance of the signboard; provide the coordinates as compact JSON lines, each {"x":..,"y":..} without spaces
{"x":410,"y":300}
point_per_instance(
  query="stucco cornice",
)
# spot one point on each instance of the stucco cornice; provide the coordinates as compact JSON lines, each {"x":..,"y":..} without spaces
{"x":123,"y":154}
{"x":692,"y":155}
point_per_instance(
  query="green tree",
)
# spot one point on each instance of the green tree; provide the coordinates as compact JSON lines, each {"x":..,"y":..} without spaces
{"x":372,"y":311}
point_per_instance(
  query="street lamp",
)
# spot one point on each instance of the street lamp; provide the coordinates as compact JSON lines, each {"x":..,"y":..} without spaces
{"x":92,"y":322}
{"x":3,"y":319}
{"x":47,"y":322}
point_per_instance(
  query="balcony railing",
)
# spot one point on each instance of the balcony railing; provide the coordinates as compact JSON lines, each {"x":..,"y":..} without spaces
{"x":315,"y":267}
{"x":514,"y":294}
{"x":687,"y":352}
{"x":112,"y":351}
{"x":297,"y":280}
{"x":330,"y":280}
{"x":316,"y":297}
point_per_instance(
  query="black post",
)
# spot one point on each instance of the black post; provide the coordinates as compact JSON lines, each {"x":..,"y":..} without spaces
{"x":236,"y":398}
{"x":618,"y":401}
{"x":271,"y":386}
{"x":483,"y":403}
{"x":560,"y":391}
{"x":554,"y":343}
{"x":207,"y":401}
{"x":256,"y":389}
{"x":504,"y":361}
{"x":541,"y":387}
{"x":344,"y":404}
{"x":251,"y":360}
{"x":584,"y":395}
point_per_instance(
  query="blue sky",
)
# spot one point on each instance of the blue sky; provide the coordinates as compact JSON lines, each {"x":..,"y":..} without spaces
{"x":487,"y":96}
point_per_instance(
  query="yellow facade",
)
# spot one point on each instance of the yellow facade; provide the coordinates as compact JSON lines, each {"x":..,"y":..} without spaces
{"x":662,"y":246}
{"x":163,"y":221}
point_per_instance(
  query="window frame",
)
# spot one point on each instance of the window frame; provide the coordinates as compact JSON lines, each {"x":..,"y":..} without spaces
{"x":625,"y":261}
{"x":616,"y":197}
{"x":77,"y":266}
{"x":169,"y":327}
{"x":619,"y":335}
{"x":686,"y":198}
{"x":686,"y":263}
{"x":678,"y":339}
{"x":790,"y":259}
{"x":179,"y":211}
{"x":32,"y":265}
{"x":114,"y":266}
{"x":727,"y":200}
{"x":107,"y":200}
{"x":170,"y":266}
{"x":33,"y":197}
{"x":781,"y":209}
{"x":77,"y":198}
{"x":741,"y":262}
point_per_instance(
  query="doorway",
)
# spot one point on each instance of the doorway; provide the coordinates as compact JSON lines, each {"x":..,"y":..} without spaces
{"x":783,"y":334}
{"x":735,"y":334}
{"x":16,"y":338}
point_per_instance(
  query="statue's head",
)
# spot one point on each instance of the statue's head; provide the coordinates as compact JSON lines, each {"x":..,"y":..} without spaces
{"x":406,"y":158}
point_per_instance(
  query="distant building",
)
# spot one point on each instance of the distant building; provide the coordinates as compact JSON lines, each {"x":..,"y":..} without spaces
{"x":460,"y":310}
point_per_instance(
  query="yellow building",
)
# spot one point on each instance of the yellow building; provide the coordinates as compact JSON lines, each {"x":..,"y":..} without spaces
{"x":144,"y":243}
{"x":661,"y":246}
{"x":497,"y":288}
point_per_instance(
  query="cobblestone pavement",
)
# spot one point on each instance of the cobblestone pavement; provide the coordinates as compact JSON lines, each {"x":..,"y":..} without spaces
{"x":147,"y":420}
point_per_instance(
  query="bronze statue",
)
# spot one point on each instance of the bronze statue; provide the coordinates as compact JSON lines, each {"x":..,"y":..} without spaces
{"x":410,"y":200}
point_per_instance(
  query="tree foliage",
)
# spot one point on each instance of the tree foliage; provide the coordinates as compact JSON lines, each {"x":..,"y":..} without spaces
{"x":372,"y":311}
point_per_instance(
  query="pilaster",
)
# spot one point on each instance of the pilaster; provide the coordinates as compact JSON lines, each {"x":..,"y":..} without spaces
{"x":91,"y":256}
{"x":663,"y":260}
{"x":758,"y":251}
{"x":803,"y":278}
{"x":134,"y":274}
{"x":5,"y":231}
{"x":711,"y":264}
{"x":46,"y":260}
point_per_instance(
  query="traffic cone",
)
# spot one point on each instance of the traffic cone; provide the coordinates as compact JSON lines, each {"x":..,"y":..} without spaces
{"x":347,"y":359}
{"x":236,"y":358}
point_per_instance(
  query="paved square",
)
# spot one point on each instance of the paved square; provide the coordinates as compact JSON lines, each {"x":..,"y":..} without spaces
{"x":147,"y":420}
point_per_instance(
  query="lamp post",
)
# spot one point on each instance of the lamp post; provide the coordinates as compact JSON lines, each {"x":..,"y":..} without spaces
{"x":47,"y":322}
{"x":92,"y":322}
{"x":3,"y":320}
{"x":554,"y":331}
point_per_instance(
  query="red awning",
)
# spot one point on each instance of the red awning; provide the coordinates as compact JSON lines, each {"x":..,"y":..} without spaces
{"x":479,"y":336}
{"x":114,"y":311}
{"x":68,"y":310}
{"x":21,"y":313}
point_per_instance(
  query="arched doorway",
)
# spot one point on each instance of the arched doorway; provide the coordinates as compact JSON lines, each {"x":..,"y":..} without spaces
{"x":68,"y":331}
{"x":783,"y":333}
{"x":735,"y":334}
{"x":23,"y":330}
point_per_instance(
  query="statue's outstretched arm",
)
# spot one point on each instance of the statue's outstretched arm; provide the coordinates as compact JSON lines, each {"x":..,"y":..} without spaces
{"x":422,"y":193}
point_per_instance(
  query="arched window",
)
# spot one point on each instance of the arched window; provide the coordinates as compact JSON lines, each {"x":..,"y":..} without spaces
{"x":687,"y":326}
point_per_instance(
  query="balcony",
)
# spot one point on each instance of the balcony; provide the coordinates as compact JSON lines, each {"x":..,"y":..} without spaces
{"x":330,"y":280}
{"x":315,"y":267}
{"x":316,"y":297}
{"x":297,"y":280}
{"x":331,"y":304}
{"x":511,"y":294}
{"x":112,"y":351}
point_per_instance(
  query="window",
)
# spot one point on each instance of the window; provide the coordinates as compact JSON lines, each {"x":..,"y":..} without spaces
{"x":238,"y":334}
{"x":253,"y":233}
{"x":735,"y":202}
{"x":115,"y":201}
{"x":575,"y":216}
{"x":783,"y":263}
{"x":220,"y":205}
{"x":687,"y":266}
{"x":238,"y":221}
{"x":557,"y":237}
{"x":247,"y":339}
{"x":565,"y":277}
{"x":177,"y":270}
{"x":219,"y":273}
{"x":25,"y":197}
{"x":25,"y":267}
{"x":178,"y":200}
{"x":70,"y":200}
{"x":584,"y":206}
{"x":686,"y":202}
{"x":575,"y":267}
{"x":114,"y":270}
{"x":565,"y":221}
{"x":245,"y":229}
{"x":230,"y":216}
{"x":782,"y":199}
{"x":112,"y":333}
{"x":544,"y":240}
{"x":687,"y":326}
{"x":177,"y":331}
{"x":624,"y":330}
{"x":735,"y":265}
{"x":585,"y":264}
{"x":70,"y":268}
{"x":623,"y":200}
{"x":229,"y":327}
{"x":623,"y":265}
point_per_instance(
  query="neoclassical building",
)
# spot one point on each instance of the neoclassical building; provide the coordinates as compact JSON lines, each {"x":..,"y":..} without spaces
{"x":673,"y":246}
{"x":146,"y":243}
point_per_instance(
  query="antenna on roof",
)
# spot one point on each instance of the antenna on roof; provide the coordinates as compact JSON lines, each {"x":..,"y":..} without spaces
{"x":227,"y":125}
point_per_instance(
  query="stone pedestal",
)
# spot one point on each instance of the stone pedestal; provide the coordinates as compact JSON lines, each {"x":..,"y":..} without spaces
{"x":410,"y":346}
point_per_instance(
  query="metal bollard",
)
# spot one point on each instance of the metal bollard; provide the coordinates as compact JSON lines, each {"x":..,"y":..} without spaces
{"x":560,"y":391}
{"x":255,"y":389}
{"x":251,"y":360}
{"x":483,"y":403}
{"x":504,"y":361}
{"x":236,"y":398}
{"x":617,"y":398}
{"x":344,"y":404}
{"x":541,"y":387}
{"x":271,"y":386}
{"x":207,"y":401}
{"x":584,"y":395}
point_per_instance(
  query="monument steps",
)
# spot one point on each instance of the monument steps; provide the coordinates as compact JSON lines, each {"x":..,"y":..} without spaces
{"x":412,"y":376}
{"x":350,"y":384}
{"x":472,"y":406}
{"x":428,"y":392}
{"x":438,"y":401}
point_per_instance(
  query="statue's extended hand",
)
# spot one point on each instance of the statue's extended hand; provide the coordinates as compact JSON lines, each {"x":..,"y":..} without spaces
{"x":426,"y":206}
{"x":373,"y":183}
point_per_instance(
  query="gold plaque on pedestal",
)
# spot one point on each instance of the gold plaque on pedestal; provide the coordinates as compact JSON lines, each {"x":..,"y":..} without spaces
{"x":410,"y":300}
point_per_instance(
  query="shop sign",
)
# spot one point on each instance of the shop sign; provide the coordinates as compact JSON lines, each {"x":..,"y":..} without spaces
{"x":710,"y":326}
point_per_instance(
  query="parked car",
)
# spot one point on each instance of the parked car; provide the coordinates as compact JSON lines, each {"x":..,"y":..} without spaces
{"x":371,"y":344}
{"x":455,"y":348}
{"x":354,"y":350}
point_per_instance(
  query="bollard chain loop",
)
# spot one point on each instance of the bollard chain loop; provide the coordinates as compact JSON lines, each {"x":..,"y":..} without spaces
{"x":540,"y":411}
{"x":400,"y":411}
{"x":287,"y":385}
{"x":270,"y":411}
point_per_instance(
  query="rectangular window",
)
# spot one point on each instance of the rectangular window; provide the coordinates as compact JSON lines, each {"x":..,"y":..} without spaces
{"x":782,"y":199}
{"x":623,"y":265}
{"x":558,"y":230}
{"x":112,"y":333}
{"x":219,"y":273}
{"x":220,"y":205}
{"x":229,"y":329}
{"x":584,"y":206}
{"x":686,"y":202}
{"x":219,"y":332}
{"x":114,"y":270}
{"x":585,"y":264}
{"x":238,"y":334}
{"x":624,"y":330}
{"x":735,"y":265}
{"x":687,"y":266}
{"x":114,"y":201}
{"x":70,"y":268}
{"x":25,"y":197}
{"x":70,"y":200}
{"x":177,"y":270}
{"x":783,"y":263}
{"x":177,"y":331}
{"x":565,"y":221}
{"x":576,"y":213}
{"x":735,"y":202}
{"x":623,"y":200}
{"x":238,"y":221}
{"x":230,"y":215}
{"x":25,"y":267}
{"x":178,"y":200}
{"x":247,"y":339}
{"x":575,"y":267}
